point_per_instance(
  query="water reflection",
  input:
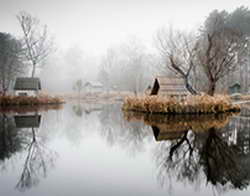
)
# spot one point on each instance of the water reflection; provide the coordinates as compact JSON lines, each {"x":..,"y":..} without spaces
{"x":20,"y":133}
{"x":192,"y":148}
{"x":208,"y":151}
{"x":116,"y":131}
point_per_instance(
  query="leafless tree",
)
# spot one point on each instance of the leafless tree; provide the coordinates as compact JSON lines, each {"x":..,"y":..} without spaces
{"x":37,"y":43}
{"x":219,"y":50}
{"x":126,"y":67}
{"x":179,"y":51}
{"x":78,"y":86}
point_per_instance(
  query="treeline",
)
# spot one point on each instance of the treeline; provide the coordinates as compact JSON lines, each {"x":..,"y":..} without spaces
{"x":128,"y":67}
{"x":210,"y":59}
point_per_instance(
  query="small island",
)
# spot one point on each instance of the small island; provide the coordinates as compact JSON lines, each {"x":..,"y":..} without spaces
{"x":199,"y":104}
{"x":170,"y":96}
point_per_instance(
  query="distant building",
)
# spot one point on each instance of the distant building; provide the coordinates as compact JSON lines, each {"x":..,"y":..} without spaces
{"x":27,"y":86}
{"x":169,"y":86}
{"x":93,"y":87}
{"x":234,"y":88}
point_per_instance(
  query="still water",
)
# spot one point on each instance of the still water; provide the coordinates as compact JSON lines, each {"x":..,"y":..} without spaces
{"x":99,"y":150}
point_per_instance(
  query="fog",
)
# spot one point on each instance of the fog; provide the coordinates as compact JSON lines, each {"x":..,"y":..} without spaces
{"x":84,"y":30}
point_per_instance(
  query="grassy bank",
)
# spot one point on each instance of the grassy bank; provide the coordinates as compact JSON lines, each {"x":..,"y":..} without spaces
{"x":6,"y":101}
{"x":30,"y":108}
{"x":202,"y":104}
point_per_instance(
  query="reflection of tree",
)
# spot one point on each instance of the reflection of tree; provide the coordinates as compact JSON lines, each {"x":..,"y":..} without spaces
{"x":192,"y":147}
{"x":222,"y":163}
{"x":10,"y":140}
{"x":38,"y":159}
{"x":117,"y":131}
{"x":77,"y":109}
{"x":187,"y":159}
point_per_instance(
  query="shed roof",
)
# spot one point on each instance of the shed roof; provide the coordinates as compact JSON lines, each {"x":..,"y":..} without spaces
{"x":27,"y":84}
{"x":169,"y":86}
{"x":27,"y":121}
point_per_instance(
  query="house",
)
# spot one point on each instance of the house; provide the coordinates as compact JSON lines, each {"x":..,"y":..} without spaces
{"x":234,"y":88}
{"x":27,"y":121}
{"x":93,"y":87}
{"x":169,"y":86}
{"x":27,"y":86}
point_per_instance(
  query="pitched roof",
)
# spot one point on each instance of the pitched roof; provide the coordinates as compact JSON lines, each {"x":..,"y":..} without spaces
{"x":169,"y":86}
{"x":27,"y":84}
{"x":27,"y":121}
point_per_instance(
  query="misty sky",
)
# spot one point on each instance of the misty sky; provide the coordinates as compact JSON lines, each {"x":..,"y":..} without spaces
{"x":98,"y":24}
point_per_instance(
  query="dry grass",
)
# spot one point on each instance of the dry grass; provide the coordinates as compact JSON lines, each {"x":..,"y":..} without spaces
{"x":202,"y":104}
{"x":6,"y":101}
{"x":28,"y":108}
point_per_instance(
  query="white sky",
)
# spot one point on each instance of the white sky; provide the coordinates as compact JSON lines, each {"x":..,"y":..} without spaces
{"x":97,"y":24}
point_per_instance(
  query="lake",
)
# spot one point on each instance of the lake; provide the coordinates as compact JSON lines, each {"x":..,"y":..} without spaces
{"x":99,"y":150}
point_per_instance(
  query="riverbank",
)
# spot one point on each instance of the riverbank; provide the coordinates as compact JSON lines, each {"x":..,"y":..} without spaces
{"x":6,"y":101}
{"x":200,"y":104}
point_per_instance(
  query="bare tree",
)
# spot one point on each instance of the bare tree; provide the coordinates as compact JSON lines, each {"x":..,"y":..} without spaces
{"x":78,"y":86}
{"x":126,"y":67}
{"x":37,"y":43}
{"x":179,"y":51}
{"x":219,"y":49}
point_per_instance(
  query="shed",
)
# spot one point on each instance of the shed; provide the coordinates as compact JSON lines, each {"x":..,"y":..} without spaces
{"x":93,"y":86}
{"x":22,"y":85}
{"x":169,"y":86}
{"x":27,"y":121}
{"x":234,"y":88}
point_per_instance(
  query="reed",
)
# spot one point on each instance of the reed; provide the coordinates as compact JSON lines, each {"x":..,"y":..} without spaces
{"x":199,"y":104}
{"x":29,"y":100}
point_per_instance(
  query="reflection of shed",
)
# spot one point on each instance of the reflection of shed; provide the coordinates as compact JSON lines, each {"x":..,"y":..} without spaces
{"x":235,"y":88}
{"x":28,"y":121}
{"x":24,"y":86}
{"x":162,"y":132}
{"x":171,"y":86}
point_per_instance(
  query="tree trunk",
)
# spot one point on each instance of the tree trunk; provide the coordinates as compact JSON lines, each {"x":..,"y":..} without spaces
{"x":211,"y":89}
{"x":33,"y":70}
{"x":189,"y":87}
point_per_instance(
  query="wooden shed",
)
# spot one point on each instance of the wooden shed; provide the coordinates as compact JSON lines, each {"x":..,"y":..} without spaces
{"x":25,"y":85}
{"x":27,"y":121}
{"x":234,"y":88}
{"x":169,"y":86}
